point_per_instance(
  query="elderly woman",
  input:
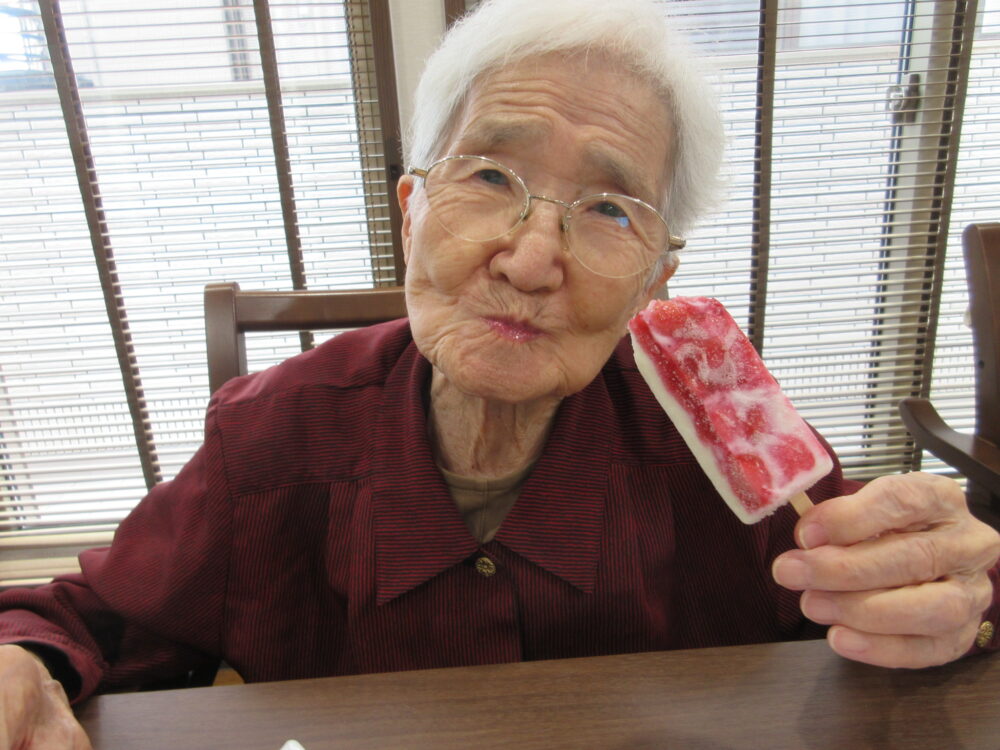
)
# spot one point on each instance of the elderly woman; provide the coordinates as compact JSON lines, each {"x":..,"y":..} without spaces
{"x":490,"y":480}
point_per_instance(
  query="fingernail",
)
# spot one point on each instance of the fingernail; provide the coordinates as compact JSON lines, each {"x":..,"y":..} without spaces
{"x":813,"y":535}
{"x":849,"y":640}
{"x":820,"y":608}
{"x":790,"y":573}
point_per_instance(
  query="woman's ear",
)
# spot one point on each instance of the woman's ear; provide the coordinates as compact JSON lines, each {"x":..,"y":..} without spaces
{"x":404,"y":191}
{"x":654,"y":288}
{"x":668,"y":270}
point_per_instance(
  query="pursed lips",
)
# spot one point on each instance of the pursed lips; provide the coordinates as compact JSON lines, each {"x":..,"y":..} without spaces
{"x":512,"y":329}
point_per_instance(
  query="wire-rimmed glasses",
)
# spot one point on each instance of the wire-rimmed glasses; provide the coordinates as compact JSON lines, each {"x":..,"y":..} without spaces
{"x":478,"y":199}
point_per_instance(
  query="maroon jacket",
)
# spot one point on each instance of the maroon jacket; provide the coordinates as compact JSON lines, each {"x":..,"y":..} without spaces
{"x":312,"y":535}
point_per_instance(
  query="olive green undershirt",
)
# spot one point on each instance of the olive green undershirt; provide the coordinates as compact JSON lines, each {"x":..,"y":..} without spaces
{"x":484,"y":503}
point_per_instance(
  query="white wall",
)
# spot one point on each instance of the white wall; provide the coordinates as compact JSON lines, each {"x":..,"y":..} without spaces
{"x":417,"y":26}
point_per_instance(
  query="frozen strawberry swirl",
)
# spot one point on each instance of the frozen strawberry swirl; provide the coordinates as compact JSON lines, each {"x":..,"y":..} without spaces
{"x":731,"y":412}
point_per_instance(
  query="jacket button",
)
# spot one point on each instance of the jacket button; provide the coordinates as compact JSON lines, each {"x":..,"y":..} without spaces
{"x":485,"y":567}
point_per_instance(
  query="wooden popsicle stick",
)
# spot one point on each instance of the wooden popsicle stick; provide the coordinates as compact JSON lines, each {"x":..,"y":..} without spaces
{"x":801,"y":502}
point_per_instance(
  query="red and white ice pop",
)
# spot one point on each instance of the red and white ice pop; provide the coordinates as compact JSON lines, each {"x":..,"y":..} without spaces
{"x":731,"y":412}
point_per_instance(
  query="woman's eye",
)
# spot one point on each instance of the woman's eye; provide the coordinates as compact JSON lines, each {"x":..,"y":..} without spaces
{"x":492,"y":176}
{"x":612,"y":211}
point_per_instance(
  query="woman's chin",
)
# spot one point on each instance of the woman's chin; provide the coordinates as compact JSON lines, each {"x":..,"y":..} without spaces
{"x":505,"y":387}
{"x":495,"y":365}
{"x":507,"y":381}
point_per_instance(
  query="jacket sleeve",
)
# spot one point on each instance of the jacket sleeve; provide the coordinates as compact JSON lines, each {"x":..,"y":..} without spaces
{"x":150,"y":606}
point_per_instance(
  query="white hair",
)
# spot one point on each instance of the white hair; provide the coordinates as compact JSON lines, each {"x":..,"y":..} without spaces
{"x":636,"y":32}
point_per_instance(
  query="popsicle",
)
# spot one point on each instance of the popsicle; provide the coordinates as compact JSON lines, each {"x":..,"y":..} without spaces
{"x":742,"y":429}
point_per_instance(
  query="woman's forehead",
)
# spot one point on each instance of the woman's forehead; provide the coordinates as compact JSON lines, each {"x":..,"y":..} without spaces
{"x":609,"y":120}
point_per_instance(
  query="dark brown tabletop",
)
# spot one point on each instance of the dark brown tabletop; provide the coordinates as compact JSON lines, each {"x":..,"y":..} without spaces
{"x":785,"y":695}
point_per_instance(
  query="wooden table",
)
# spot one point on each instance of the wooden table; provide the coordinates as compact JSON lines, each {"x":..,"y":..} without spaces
{"x":789,"y":695}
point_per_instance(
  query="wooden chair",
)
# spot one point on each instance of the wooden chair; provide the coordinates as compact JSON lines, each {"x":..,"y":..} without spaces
{"x":231,"y":312}
{"x":976,"y":456}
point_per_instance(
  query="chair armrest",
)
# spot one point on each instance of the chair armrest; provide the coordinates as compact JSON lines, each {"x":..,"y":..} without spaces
{"x":977,"y":459}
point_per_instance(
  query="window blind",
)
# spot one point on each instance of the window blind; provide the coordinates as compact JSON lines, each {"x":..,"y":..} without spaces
{"x":839,"y":246}
{"x":148,"y":151}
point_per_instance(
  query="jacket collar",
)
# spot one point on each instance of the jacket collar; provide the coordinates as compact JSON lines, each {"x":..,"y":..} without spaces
{"x":419,"y":532}
{"x":558,"y":519}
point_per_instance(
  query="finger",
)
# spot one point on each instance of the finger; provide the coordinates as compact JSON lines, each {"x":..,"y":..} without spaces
{"x":58,"y":727}
{"x":939,"y":609}
{"x":62,"y":734}
{"x":34,"y":710}
{"x":893,"y":503}
{"x":908,"y":651}
{"x":890,"y":561}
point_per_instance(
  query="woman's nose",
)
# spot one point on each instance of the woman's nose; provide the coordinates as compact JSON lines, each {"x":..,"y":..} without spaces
{"x":533,"y":255}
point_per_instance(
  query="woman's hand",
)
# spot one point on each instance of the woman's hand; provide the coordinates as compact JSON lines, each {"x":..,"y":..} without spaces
{"x":34,"y":710}
{"x":899,"y":570}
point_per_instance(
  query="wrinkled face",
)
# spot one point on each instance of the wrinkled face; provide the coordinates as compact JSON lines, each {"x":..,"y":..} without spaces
{"x":518,"y":318}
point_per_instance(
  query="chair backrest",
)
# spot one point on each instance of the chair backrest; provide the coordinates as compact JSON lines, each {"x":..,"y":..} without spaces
{"x":231,"y":312}
{"x":981,"y":244}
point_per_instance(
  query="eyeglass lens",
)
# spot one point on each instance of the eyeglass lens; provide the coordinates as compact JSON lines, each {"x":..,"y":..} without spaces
{"x":477,"y":199}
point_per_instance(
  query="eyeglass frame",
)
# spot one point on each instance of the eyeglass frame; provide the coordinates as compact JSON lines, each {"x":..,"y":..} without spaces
{"x":673,"y":242}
